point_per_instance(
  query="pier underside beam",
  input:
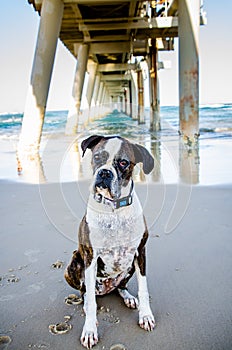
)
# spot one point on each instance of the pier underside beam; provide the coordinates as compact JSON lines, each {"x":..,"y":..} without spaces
{"x":189,"y":22}
{"x":49,"y":29}
{"x":74,"y":111}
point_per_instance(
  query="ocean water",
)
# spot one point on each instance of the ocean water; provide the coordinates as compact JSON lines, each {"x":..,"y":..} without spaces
{"x":210,"y":164}
{"x":215,"y":122}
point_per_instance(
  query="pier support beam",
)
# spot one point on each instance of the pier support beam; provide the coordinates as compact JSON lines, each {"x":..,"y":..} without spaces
{"x":125,"y":101}
{"x":141,"y":118}
{"x":134,"y":86}
{"x":154,"y":88}
{"x":189,"y":22}
{"x":96,"y":89}
{"x":92,"y":69}
{"x":130,"y":97}
{"x":33,"y":119}
{"x":74,"y":111}
{"x":100,"y":92}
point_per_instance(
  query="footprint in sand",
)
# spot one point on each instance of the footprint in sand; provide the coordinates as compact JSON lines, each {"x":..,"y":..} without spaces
{"x":4,"y":341}
{"x":35,"y":288}
{"x":118,"y":347}
{"x":58,"y":265}
{"x":73,"y":299}
{"x":60,"y":328}
{"x":32,"y":254}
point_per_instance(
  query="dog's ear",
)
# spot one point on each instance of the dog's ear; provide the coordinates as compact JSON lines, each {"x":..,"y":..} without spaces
{"x":90,"y":142}
{"x":142,"y":155}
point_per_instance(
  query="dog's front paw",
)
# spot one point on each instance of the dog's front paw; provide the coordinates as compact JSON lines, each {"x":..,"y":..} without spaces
{"x":147,"y":322}
{"x":89,"y":336}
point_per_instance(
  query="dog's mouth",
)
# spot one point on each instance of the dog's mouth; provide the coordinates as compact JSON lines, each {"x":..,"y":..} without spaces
{"x":104,"y":191}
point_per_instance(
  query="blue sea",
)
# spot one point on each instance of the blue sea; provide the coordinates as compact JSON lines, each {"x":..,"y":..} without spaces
{"x":210,"y":164}
{"x":215,"y":122}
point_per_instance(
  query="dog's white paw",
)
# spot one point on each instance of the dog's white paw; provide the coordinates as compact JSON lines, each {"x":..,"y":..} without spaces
{"x":89,"y":336}
{"x":129,"y":300}
{"x":147,"y":322}
{"x":132,"y":302}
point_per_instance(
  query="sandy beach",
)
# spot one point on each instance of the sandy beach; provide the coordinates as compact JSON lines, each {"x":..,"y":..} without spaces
{"x":187,"y":204}
{"x":189,"y":269}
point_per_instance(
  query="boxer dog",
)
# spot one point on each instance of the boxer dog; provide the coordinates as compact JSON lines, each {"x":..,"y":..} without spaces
{"x":112,"y":233}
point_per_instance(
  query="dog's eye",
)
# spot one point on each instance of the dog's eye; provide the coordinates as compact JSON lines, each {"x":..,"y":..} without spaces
{"x":100,"y":157}
{"x":123,"y":164}
{"x":97,"y":157}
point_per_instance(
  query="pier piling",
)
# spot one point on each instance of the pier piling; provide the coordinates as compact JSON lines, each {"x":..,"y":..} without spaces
{"x":33,"y":119}
{"x":153,"y":87}
{"x":74,"y":112}
{"x":141,"y":118}
{"x":189,"y":23}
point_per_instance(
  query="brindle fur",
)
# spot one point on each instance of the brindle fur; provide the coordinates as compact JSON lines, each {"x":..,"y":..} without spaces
{"x":82,"y":258}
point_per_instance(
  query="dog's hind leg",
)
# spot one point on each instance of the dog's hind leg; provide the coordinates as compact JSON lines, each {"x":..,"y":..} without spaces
{"x":74,"y":272}
{"x":129,"y":300}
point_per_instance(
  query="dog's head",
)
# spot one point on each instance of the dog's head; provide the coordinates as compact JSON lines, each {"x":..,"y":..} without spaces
{"x":113,"y":161}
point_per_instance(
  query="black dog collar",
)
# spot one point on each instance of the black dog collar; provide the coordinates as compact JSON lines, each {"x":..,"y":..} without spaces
{"x":116,"y":203}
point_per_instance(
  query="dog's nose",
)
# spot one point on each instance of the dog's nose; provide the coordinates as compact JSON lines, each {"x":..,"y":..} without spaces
{"x":105,"y":174}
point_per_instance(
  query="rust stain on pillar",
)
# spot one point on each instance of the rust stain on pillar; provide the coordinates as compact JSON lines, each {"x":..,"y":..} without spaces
{"x":189,"y":109}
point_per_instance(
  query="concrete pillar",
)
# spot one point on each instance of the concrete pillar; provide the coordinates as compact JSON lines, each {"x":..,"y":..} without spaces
{"x":103,"y":94}
{"x":107,"y":99}
{"x":154,"y":88}
{"x":33,"y":119}
{"x":125,"y":101}
{"x":92,"y":69}
{"x":100,"y":91}
{"x":130,"y":98}
{"x":189,"y":22}
{"x":74,"y":111}
{"x":118,"y":103}
{"x":121,"y":104}
{"x":141,"y":118}
{"x":111,"y":99}
{"x":96,"y":89}
{"x":134,"y":87}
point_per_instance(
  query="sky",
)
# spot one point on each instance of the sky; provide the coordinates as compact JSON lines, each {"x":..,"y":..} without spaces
{"x":19,"y":25}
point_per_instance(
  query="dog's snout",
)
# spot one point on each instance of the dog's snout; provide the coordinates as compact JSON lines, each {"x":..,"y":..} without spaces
{"x":105,"y":174}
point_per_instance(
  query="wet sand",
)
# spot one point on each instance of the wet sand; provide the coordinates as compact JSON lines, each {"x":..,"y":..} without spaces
{"x":189,"y":269}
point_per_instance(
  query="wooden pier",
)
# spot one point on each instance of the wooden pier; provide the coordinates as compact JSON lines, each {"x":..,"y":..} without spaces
{"x":110,"y":39}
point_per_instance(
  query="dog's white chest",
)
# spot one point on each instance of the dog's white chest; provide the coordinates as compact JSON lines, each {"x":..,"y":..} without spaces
{"x":119,"y":241}
{"x":115,"y":236}
{"x":115,"y":240}
{"x":112,"y":229}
